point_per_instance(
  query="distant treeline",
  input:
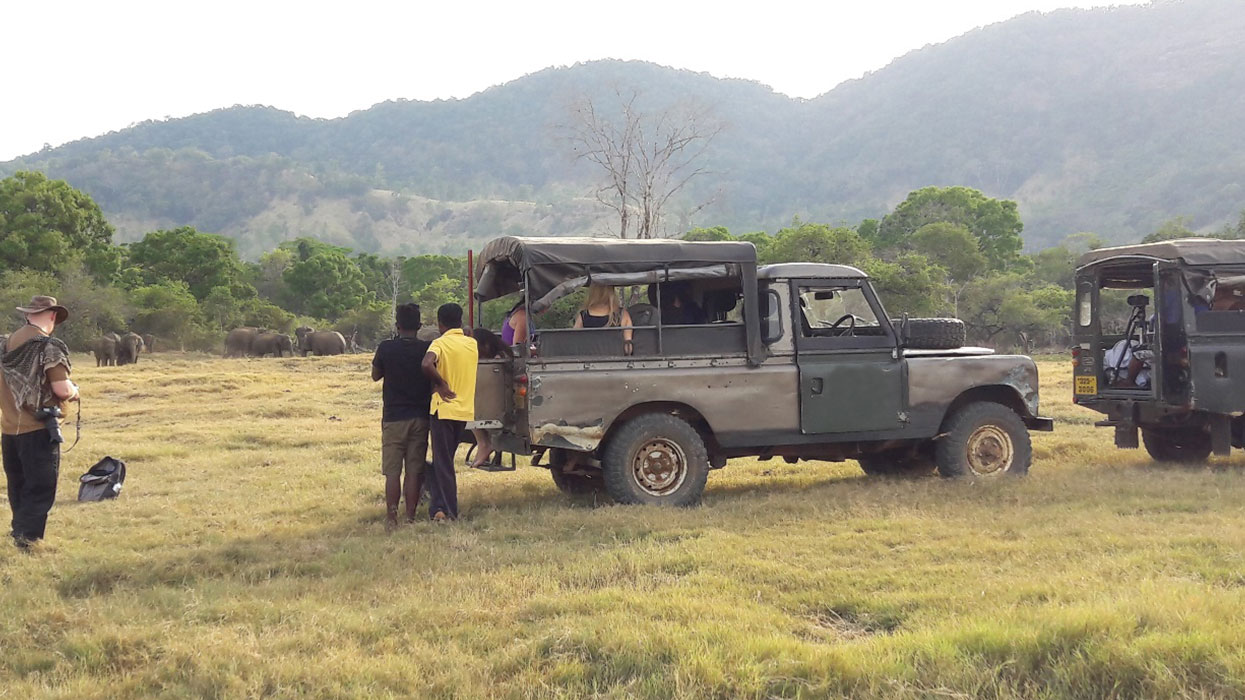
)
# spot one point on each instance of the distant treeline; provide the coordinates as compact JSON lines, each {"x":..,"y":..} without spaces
{"x":942,"y":251}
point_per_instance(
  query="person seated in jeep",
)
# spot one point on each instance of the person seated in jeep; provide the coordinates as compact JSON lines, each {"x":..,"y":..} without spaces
{"x":677,"y":306}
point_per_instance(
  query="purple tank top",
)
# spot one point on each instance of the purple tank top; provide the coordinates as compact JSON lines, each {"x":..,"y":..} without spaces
{"x":507,"y":331}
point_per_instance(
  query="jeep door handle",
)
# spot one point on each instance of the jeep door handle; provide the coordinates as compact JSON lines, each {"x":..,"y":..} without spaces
{"x":816,"y":385}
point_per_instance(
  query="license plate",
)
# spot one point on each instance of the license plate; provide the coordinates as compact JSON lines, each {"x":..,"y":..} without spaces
{"x":1086,"y":385}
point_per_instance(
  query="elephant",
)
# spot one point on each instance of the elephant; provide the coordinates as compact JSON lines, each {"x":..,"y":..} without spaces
{"x":149,"y":342}
{"x":128,"y":349}
{"x":238,"y":342}
{"x":105,"y":349}
{"x":320,"y":342}
{"x":272,"y":343}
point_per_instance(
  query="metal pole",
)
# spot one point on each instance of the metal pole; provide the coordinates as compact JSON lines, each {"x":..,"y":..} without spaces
{"x":471,"y":289}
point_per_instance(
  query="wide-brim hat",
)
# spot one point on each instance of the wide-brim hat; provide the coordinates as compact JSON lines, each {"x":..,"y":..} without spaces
{"x":39,"y":304}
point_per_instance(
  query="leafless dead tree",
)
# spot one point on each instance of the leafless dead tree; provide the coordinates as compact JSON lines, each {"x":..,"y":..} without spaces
{"x":648,"y":158}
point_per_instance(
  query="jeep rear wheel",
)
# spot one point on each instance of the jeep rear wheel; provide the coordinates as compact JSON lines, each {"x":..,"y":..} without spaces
{"x":572,"y":484}
{"x":655,"y":459}
{"x":984,"y":440}
{"x":1177,"y":444}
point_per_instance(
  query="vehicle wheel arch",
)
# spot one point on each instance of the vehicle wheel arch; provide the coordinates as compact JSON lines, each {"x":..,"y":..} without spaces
{"x":995,"y":393}
{"x":677,"y":408}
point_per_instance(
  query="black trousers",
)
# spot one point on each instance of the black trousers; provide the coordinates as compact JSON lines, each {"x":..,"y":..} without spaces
{"x":32,"y":464}
{"x":442,"y":484}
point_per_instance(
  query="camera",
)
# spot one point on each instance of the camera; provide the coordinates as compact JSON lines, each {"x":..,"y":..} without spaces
{"x":1138,"y":300}
{"x":51,"y":416}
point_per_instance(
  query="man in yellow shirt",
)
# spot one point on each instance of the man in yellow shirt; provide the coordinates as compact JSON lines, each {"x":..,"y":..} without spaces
{"x":450,"y":366}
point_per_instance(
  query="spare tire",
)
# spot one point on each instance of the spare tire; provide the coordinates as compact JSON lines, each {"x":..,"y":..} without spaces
{"x":934,"y":333}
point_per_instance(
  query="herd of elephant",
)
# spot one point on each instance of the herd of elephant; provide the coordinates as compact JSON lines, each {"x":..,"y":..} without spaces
{"x":112,"y":350}
{"x":258,"y":342}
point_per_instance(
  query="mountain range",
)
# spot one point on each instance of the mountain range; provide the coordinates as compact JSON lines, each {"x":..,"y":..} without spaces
{"x":1107,"y":120}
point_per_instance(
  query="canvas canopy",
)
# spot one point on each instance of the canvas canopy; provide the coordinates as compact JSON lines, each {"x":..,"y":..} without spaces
{"x":1189,"y":251}
{"x":558,"y":266}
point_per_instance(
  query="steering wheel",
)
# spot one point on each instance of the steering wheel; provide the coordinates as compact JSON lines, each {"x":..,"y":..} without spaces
{"x":850,"y":330}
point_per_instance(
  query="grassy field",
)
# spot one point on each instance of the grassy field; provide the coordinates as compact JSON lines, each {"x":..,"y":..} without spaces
{"x":247,"y":558}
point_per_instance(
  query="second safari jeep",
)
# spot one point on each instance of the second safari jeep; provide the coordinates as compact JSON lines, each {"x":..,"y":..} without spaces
{"x":797,"y":360}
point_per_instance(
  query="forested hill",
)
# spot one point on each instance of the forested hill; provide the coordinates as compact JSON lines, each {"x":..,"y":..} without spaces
{"x":1109,"y":120}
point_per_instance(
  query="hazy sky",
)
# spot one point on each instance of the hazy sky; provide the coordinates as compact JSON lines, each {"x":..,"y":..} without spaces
{"x":75,"y":69}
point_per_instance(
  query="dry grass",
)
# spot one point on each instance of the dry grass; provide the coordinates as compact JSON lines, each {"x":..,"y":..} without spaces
{"x":246,"y":558}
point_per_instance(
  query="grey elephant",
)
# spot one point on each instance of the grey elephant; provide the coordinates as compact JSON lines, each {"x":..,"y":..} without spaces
{"x":320,"y":342}
{"x":129,"y":346}
{"x":149,"y":342}
{"x":238,"y":342}
{"x":105,"y":349}
{"x":276,"y":344}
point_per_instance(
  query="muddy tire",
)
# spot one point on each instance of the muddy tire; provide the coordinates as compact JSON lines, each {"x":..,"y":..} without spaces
{"x":572,"y":484}
{"x":983,"y":440}
{"x":934,"y":333}
{"x":1190,"y":445}
{"x":655,"y":459}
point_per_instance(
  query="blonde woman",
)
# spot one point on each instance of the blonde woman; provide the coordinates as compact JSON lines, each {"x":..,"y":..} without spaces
{"x":603,"y":310}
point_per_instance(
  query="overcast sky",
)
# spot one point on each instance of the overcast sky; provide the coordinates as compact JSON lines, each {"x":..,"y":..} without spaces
{"x":76,"y":69}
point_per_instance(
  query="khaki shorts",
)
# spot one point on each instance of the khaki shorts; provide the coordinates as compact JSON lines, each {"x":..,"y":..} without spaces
{"x":404,"y":447}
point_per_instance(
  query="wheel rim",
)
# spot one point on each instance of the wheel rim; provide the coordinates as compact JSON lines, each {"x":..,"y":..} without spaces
{"x":990,"y":451}
{"x":659,"y":467}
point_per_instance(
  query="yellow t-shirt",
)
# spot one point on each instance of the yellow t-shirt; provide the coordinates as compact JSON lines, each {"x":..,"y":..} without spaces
{"x":457,"y":357}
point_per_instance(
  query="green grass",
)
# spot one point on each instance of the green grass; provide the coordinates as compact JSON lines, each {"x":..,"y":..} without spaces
{"x":247,"y":558}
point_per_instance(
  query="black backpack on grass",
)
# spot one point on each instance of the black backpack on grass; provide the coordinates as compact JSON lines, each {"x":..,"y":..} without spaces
{"x":102,"y":481}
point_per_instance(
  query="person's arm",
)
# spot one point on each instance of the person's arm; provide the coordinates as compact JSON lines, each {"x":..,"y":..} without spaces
{"x":439,"y":384}
{"x":579,"y":320}
{"x":518,"y":321}
{"x":62,"y":388}
{"x":626,"y":325}
{"x":378,"y":370}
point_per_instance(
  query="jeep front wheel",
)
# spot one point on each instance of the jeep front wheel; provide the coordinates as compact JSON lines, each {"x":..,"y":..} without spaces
{"x":1177,"y":444}
{"x":655,"y":459}
{"x":985,"y":440}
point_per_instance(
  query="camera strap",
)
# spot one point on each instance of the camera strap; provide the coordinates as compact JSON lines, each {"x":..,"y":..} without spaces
{"x":44,"y":386}
{"x":77,"y":427}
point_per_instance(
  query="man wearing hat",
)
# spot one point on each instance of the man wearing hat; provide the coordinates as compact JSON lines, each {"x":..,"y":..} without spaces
{"x":35,"y":376}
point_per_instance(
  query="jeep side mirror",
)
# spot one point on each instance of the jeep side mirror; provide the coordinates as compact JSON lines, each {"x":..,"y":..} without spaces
{"x":903,"y":330}
{"x":771,"y":317}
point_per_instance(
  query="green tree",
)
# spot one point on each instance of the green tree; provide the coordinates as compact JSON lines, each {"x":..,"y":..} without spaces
{"x":443,"y":290}
{"x":167,"y":309}
{"x":909,"y":284}
{"x":221,"y":308}
{"x":44,"y":224}
{"x":717,"y":233}
{"x":761,"y":240}
{"x":1171,"y":230}
{"x":995,"y":222}
{"x":1007,"y":305}
{"x":953,"y":247}
{"x":806,"y":242}
{"x":204,"y":261}
{"x":326,"y":285}
{"x":421,"y":270}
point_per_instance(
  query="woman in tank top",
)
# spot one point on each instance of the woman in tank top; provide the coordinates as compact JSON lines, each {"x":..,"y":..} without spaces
{"x":603,"y":310}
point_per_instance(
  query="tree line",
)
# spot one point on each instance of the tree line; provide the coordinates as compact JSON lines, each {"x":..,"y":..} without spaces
{"x":943,"y":251}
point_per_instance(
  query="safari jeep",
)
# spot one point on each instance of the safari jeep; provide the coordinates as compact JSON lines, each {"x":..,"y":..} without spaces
{"x":798,"y":361}
{"x":1159,"y":345}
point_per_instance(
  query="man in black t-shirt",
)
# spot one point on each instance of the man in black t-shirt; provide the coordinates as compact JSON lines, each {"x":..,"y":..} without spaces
{"x":404,"y":423}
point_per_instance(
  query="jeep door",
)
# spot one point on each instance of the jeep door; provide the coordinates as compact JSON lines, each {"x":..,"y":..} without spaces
{"x":852,"y":377}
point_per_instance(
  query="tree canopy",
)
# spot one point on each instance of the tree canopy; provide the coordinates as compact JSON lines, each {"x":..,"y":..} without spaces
{"x":46,"y":223}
